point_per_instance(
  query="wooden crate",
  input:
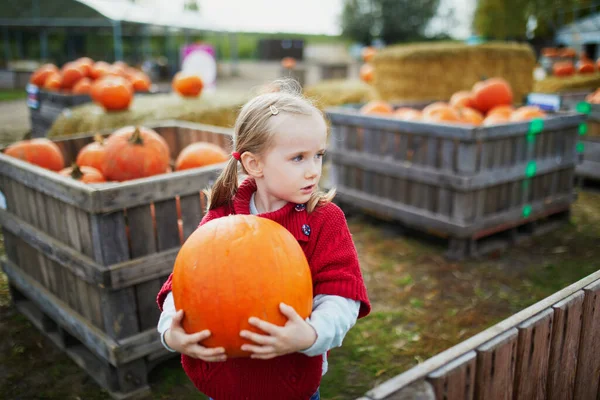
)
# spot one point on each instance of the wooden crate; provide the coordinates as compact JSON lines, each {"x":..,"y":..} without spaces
{"x":474,"y":185}
{"x":45,"y":107}
{"x":85,"y":262}
{"x":589,"y":169}
{"x":547,"y":351}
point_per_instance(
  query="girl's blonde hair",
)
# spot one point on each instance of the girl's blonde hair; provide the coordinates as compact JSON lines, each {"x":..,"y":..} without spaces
{"x":252,"y":133}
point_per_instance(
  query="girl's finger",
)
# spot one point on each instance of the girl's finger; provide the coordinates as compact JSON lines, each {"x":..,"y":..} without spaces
{"x":289,"y":312}
{"x":258,"y":349}
{"x":264,"y":326}
{"x":198,"y":337}
{"x":176,"y":321}
{"x":263,"y":356}
{"x":257,"y":338}
{"x":210,"y":352}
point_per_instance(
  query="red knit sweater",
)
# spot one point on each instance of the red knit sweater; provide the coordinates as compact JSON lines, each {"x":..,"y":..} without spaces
{"x":327,"y":244}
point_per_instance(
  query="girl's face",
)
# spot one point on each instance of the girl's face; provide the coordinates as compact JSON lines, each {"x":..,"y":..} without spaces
{"x":291,"y":167}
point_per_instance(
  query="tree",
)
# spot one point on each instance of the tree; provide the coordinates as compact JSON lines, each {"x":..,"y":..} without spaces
{"x":390,"y":20}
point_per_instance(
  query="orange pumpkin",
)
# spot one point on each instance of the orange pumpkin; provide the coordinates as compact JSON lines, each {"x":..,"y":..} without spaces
{"x":114,"y":93}
{"x":187,"y":84}
{"x":368,"y":53}
{"x":408,"y":114}
{"x":38,"y":78}
{"x":495,"y":119}
{"x":491,"y":93}
{"x":135,"y":152}
{"x":140,"y":81}
{"x":366,"y":73}
{"x":470,"y":116}
{"x":550,"y":52}
{"x":99,"y":69}
{"x":526,"y":113}
{"x":462,"y":98}
{"x":42,"y":152}
{"x":83,"y":86}
{"x":92,"y":154}
{"x":567,"y":52}
{"x":200,"y":155}
{"x":288,"y":62}
{"x":377,"y":107}
{"x":84,"y":174}
{"x":86,"y":63}
{"x":53,"y":82}
{"x":440,"y":112}
{"x":585,"y":65}
{"x":563,"y":68}
{"x":72,"y":72}
{"x":236,"y":267}
{"x":505,"y":111}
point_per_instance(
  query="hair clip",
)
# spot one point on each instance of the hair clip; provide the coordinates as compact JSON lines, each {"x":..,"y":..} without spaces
{"x":274,"y":110}
{"x":236,"y":155}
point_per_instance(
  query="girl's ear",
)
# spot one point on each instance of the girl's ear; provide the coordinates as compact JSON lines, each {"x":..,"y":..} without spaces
{"x":252,"y":164}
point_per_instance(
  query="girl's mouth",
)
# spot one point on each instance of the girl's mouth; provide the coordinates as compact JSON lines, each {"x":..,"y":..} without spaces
{"x":308,"y":188}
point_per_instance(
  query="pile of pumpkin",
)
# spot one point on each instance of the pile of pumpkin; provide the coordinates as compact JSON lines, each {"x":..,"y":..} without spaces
{"x":111,"y":86}
{"x":126,"y":154}
{"x":366,"y":71}
{"x":565,"y":65}
{"x":488,"y":103}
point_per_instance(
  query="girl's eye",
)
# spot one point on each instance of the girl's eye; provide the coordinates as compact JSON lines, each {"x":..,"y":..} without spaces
{"x":320,"y":155}
{"x":298,"y":158}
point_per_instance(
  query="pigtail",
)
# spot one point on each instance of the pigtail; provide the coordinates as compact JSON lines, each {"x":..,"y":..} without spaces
{"x":225,"y":187}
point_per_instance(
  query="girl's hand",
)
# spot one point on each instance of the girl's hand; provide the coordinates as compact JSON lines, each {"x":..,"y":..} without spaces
{"x":177,"y":339}
{"x":294,"y":336}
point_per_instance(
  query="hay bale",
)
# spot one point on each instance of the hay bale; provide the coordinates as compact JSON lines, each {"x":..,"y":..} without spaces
{"x":219,"y":108}
{"x":557,"y":84}
{"x":335,"y":92}
{"x":434,"y":71}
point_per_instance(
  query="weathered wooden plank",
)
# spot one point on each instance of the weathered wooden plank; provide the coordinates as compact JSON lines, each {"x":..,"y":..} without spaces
{"x":157,"y":188}
{"x":420,"y":390}
{"x":191,"y":213}
{"x":533,"y":352}
{"x":456,"y":380}
{"x":588,"y":362}
{"x":119,"y":306}
{"x":496,"y":367}
{"x":564,"y":349}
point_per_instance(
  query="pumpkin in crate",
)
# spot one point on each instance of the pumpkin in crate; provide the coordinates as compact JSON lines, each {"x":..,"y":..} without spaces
{"x":72,"y":73}
{"x":53,"y":82}
{"x":135,"y":152}
{"x":187,"y":84}
{"x":41,"y":151}
{"x":83,"y":86}
{"x":39,"y":76}
{"x":113,"y":93}
{"x":200,"y":154}
{"x":92,"y":154}
{"x":237,"y":267}
{"x":84,"y":174}
{"x":490,"y":93}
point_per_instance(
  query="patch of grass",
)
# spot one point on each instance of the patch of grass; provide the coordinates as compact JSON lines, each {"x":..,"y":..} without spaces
{"x":12,"y":94}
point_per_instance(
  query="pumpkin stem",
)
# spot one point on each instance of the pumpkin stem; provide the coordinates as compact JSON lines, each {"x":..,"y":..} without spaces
{"x":76,"y":172}
{"x":98,"y":138}
{"x":136,"y":137}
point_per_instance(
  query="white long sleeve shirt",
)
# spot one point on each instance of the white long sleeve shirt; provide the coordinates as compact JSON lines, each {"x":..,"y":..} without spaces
{"x":331,"y":317}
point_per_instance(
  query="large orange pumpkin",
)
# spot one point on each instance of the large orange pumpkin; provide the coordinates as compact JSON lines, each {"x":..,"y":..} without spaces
{"x":92,"y":154}
{"x":72,"y":72}
{"x":99,"y":69}
{"x":135,"y":152}
{"x":200,"y":154}
{"x":38,"y":78}
{"x":53,"y":82}
{"x":113,"y":93}
{"x":86,"y":63}
{"x":41,"y":151}
{"x":237,"y":267}
{"x":83,"y":86}
{"x":84,"y":174}
{"x":186,"y":84}
{"x":491,"y":93}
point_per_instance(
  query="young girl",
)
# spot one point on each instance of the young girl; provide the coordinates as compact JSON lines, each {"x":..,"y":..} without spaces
{"x":279,"y":142}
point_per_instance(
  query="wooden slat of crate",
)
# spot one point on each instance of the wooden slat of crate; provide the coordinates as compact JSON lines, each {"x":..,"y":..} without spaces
{"x":564,"y":349}
{"x":532,"y":356}
{"x":496,"y":367}
{"x":588,"y":363}
{"x":456,"y":380}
